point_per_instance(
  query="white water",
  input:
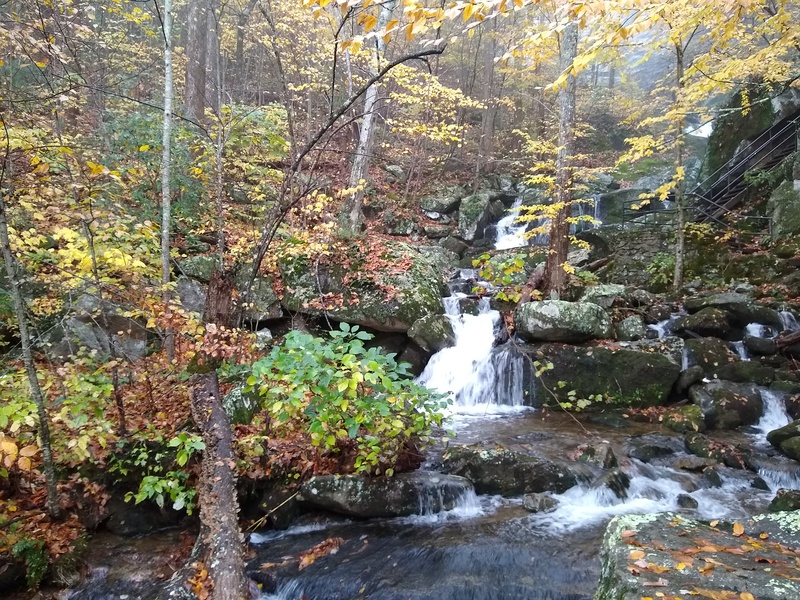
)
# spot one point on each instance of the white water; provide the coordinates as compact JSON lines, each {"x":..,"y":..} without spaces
{"x":481,"y":379}
{"x":509,"y":233}
{"x":774,"y":416}
{"x":758,"y":330}
{"x":739,"y":348}
{"x":789,"y":321}
{"x":664,"y":327}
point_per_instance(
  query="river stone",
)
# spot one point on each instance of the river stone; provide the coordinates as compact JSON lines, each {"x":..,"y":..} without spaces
{"x":664,"y":539}
{"x":631,"y":329}
{"x":559,"y":321}
{"x":684,"y":418}
{"x":497,"y":470}
{"x":444,"y":201}
{"x":785,"y":500}
{"x":686,"y":501}
{"x":694,"y":463}
{"x":740,"y":308}
{"x":473,"y":216}
{"x":688,"y":378}
{"x":707,"y":322}
{"x":433,"y":333}
{"x":648,"y":448}
{"x":727,"y":405}
{"x":760,"y":346}
{"x":781,"y":438}
{"x":747,"y":371}
{"x":701,"y":446}
{"x":615,"y":480}
{"x":539,"y":503}
{"x":709,"y":353}
{"x":604,"y":295}
{"x":390,"y":300}
{"x":626,"y":377}
{"x":420,"y":492}
{"x":601,"y":455}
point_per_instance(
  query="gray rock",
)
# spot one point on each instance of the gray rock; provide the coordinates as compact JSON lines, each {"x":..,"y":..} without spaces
{"x":192,"y":294}
{"x":494,"y":469}
{"x":421,"y":492}
{"x":740,"y":308}
{"x":396,"y":171}
{"x":473,"y":216}
{"x":785,"y":500}
{"x":539,"y":503}
{"x":787,"y":439}
{"x":454,"y":245}
{"x":760,"y":346}
{"x":241,"y":406}
{"x":262,"y":303}
{"x":559,"y":321}
{"x":615,"y":480}
{"x":600,"y":455}
{"x":709,"y":354}
{"x":671,"y":346}
{"x":783,"y":208}
{"x":748,"y":371}
{"x":631,"y":329}
{"x":604,"y":295}
{"x":433,"y":333}
{"x":686,"y":501}
{"x":708,"y":322}
{"x":641,"y":297}
{"x":727,"y":405}
{"x":443,"y":259}
{"x":199,"y":267}
{"x":263,"y":339}
{"x":688,"y":378}
{"x":444,"y":201}
{"x":664,"y":537}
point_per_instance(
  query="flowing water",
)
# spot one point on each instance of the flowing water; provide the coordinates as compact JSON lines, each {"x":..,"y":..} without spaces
{"x":511,"y":234}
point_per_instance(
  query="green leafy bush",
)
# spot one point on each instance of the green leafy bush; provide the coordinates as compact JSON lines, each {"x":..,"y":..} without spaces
{"x":344,"y":394}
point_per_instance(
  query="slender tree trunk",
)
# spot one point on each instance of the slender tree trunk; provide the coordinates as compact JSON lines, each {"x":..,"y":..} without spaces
{"x":214,"y":72}
{"x":612,"y":76}
{"x":367,"y":133}
{"x":12,"y":271}
{"x":555,"y":275}
{"x":196,"y":53}
{"x":680,"y":235}
{"x":166,"y":165}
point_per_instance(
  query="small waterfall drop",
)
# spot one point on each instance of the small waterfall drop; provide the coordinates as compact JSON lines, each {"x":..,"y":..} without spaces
{"x":789,"y":321}
{"x":774,"y":415}
{"x":664,"y":328}
{"x":758,"y":330}
{"x":739,"y":348}
{"x":509,"y":233}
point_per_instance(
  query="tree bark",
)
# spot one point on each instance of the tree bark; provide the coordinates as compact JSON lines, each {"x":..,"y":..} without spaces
{"x":367,"y":133}
{"x":166,"y":165}
{"x":196,"y":54}
{"x":12,"y":270}
{"x":219,"y":507}
{"x":680,"y":235}
{"x":555,"y":275}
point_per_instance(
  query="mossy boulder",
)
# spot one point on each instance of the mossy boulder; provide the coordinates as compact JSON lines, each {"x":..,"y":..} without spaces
{"x":747,"y":371}
{"x":700,"y":445}
{"x":709,"y":353}
{"x":199,"y":267}
{"x":631,"y":329}
{"x":784,"y":209}
{"x":494,"y":469}
{"x":684,"y":418}
{"x":389,"y":297}
{"x":605,"y":295}
{"x":433,"y":333}
{"x":787,"y":439}
{"x":622,"y":377}
{"x":443,"y":259}
{"x":707,"y":322}
{"x":740,"y":308}
{"x":241,"y":406}
{"x":663,"y":540}
{"x":559,"y":321}
{"x":473,"y":216}
{"x":785,"y":500}
{"x":727,"y":405}
{"x":443,"y":201}
{"x":399,"y":496}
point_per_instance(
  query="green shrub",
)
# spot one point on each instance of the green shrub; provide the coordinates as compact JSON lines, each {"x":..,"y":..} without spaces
{"x":342,"y":393}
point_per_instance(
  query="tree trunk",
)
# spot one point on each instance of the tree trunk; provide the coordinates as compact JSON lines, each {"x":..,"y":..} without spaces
{"x":367,"y":133}
{"x":219,"y":506}
{"x":166,"y":165}
{"x":680,"y":235}
{"x":27,"y":352}
{"x":196,"y":53}
{"x":555,"y":275}
{"x":214,"y":71}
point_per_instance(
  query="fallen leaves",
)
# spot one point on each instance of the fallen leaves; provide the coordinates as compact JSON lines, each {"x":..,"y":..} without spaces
{"x":738,"y":529}
{"x":324,"y":548}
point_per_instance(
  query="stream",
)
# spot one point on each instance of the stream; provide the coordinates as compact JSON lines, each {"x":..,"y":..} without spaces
{"x":487,"y":547}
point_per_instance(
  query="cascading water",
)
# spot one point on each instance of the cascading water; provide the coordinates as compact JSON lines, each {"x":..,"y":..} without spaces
{"x":789,"y":321}
{"x":509,"y":233}
{"x":774,"y":415}
{"x":664,"y":328}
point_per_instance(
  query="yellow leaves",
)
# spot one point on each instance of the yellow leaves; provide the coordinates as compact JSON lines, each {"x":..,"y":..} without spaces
{"x":468,"y":10}
{"x":12,"y":456}
{"x":738,"y":529}
{"x":636,"y":555}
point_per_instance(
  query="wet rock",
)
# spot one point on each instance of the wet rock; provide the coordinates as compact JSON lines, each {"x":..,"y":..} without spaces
{"x":615,"y":419}
{"x":658,"y":313}
{"x":787,"y":439}
{"x":686,"y":501}
{"x":433,"y":333}
{"x":788,"y":387}
{"x":539,"y":503}
{"x":402,"y":495}
{"x":605,"y":295}
{"x":709,"y":353}
{"x":498,"y":470}
{"x":694,"y":463}
{"x":747,"y":371}
{"x":684,"y":418}
{"x":711,"y":477}
{"x":664,"y":537}
{"x":627,"y":377}
{"x":785,"y":500}
{"x":760,"y":346}
{"x":701,"y":446}
{"x":416,"y":289}
{"x":559,"y":321}
{"x":473,"y":215}
{"x":707,"y":322}
{"x":280,"y":506}
{"x":647,"y":451}
{"x":615,"y":480}
{"x":688,"y":378}
{"x":758,"y":483}
{"x":631,"y":329}
{"x":127,"y":519}
{"x":601,"y":455}
{"x":727,"y":405}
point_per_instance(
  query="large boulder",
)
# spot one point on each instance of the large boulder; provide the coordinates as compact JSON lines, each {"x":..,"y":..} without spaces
{"x":669,"y":556}
{"x":710,"y":354}
{"x":433,"y":333}
{"x":740,"y":308}
{"x":262,"y":302}
{"x":559,"y":321}
{"x":707,"y":322}
{"x":403,"y":495}
{"x":498,"y":470}
{"x":473,"y":216}
{"x":784,"y":209}
{"x":624,"y":377}
{"x":604,"y":295}
{"x":443,"y":201}
{"x":390,"y":298}
{"x":787,"y":439}
{"x":727,"y":405}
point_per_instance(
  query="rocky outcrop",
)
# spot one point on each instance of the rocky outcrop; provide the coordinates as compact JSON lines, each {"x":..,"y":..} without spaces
{"x":473,"y":216}
{"x":784,"y":209}
{"x":389,"y":300}
{"x":645,"y":554}
{"x":433,"y":333}
{"x":709,"y":354}
{"x":707,"y":322}
{"x":559,"y":321}
{"x":494,"y":469}
{"x":624,"y":377}
{"x":605,"y":296}
{"x":421,"y":492}
{"x":727,"y":405}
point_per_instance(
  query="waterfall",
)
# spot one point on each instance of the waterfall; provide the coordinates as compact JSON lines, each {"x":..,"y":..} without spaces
{"x":789,"y":321}
{"x":509,"y":234}
{"x":774,"y":415}
{"x":739,"y":348}
{"x":663,"y":328}
{"x":481,"y":378}
{"x":597,"y":211}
